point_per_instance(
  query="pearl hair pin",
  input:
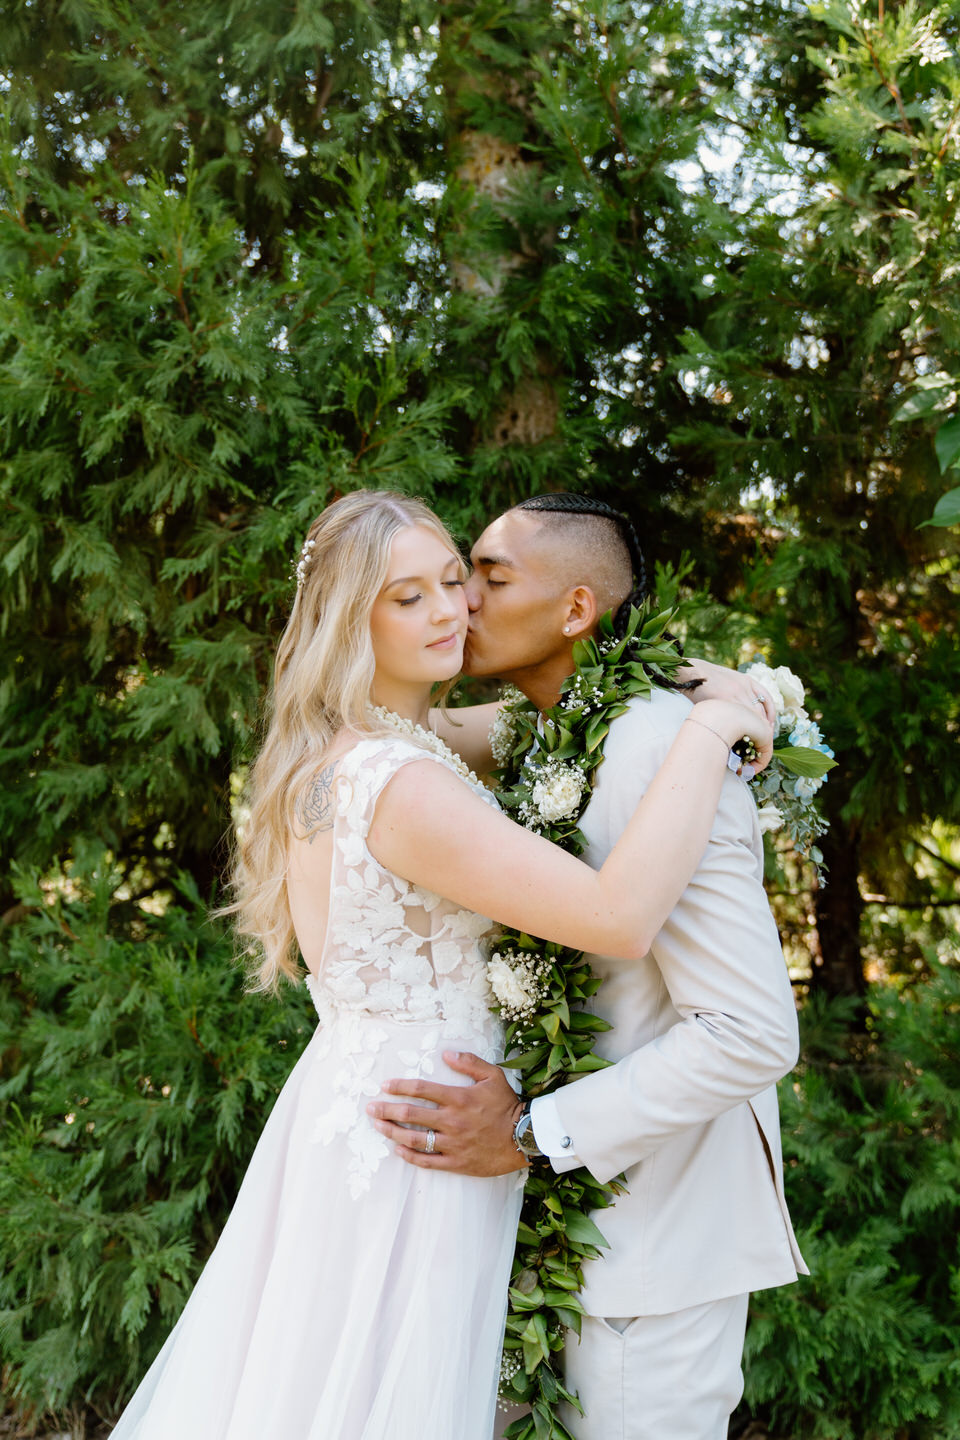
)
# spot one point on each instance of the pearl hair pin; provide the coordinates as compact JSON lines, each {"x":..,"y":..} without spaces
{"x":306,"y":555}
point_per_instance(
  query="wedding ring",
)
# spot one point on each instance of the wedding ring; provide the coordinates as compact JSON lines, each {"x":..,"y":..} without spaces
{"x":428,"y":1149}
{"x":758,"y":699}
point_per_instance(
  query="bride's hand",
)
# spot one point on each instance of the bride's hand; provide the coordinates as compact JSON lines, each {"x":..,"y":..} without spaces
{"x":722,"y":683}
{"x":732,"y":721}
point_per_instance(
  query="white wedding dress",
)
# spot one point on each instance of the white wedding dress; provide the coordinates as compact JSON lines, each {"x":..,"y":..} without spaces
{"x":352,"y":1296}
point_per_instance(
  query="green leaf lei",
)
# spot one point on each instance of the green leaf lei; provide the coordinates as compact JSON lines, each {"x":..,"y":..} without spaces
{"x":545,"y":782}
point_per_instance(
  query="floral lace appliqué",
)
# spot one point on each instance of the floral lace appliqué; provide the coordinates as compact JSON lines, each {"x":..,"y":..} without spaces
{"x":396,"y":955}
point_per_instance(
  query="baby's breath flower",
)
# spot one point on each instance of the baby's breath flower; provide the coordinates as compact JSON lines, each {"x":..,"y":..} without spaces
{"x":510,"y":1367}
{"x":503,"y":734}
{"x":504,"y":730}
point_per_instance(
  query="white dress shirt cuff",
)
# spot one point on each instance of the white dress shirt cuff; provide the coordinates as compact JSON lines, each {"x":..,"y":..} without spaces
{"x":550,"y":1135}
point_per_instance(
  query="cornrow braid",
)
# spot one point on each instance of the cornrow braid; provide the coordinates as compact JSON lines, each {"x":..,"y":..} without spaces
{"x":568,"y":503}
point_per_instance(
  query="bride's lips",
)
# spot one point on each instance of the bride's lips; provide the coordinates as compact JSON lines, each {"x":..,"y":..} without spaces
{"x":447,"y":642}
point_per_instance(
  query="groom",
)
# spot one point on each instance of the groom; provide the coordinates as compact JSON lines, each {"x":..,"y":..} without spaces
{"x":703,"y":1027}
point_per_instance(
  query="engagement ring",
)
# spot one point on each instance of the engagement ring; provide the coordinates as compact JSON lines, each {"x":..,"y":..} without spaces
{"x":431,"y":1142}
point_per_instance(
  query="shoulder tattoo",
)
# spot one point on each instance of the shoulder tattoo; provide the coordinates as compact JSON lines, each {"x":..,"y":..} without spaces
{"x":314,"y":807}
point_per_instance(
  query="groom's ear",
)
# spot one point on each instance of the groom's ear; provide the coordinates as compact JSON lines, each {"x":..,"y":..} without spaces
{"x":582,"y":612}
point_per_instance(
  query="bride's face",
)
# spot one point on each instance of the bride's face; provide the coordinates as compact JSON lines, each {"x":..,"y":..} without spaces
{"x":419,"y":619}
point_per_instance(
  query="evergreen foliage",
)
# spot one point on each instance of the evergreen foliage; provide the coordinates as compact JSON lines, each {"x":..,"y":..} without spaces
{"x":868,"y":1348}
{"x":834,"y":330}
{"x":137,"y":1078}
{"x":253,"y":256}
{"x":207,"y":333}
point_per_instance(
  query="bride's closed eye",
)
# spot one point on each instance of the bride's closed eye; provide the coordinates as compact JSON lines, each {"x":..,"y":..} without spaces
{"x":447,"y":584}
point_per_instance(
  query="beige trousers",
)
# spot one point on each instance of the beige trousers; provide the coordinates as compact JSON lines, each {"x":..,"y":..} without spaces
{"x":658,"y":1377}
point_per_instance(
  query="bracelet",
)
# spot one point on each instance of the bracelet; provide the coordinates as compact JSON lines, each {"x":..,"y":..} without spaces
{"x":704,"y":726}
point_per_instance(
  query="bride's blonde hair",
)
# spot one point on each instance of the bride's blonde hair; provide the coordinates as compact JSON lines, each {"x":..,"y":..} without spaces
{"x":322,"y":683}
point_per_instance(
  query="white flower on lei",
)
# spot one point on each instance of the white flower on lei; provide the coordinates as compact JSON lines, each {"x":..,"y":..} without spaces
{"x":511,"y":987}
{"x":518,"y":981}
{"x":558,"y":791}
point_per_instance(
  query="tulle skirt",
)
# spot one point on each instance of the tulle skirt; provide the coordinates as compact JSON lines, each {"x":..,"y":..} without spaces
{"x":350,"y":1296}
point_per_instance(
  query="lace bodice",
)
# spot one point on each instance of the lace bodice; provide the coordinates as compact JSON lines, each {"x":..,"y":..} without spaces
{"x":393,"y":948}
{"x":402,"y":974}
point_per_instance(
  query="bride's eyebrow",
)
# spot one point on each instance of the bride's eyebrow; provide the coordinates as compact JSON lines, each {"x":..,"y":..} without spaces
{"x":418,"y":579}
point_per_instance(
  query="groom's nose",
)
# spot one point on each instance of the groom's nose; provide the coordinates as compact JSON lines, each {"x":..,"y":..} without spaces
{"x":472,"y":592}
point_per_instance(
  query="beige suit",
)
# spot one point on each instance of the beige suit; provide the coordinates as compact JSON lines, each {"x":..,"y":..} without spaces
{"x":704,"y":1026}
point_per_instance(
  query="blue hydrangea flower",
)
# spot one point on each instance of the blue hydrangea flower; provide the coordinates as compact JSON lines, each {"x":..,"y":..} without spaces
{"x":806,"y":733}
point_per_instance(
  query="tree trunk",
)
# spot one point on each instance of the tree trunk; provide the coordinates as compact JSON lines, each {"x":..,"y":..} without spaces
{"x":491,"y":166}
{"x":838,"y":968}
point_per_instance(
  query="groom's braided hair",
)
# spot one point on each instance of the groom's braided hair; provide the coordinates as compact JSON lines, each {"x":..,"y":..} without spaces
{"x":568,"y":503}
{"x":574,"y":505}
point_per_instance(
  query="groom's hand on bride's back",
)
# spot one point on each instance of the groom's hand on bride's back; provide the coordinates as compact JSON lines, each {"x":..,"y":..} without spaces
{"x":472,"y":1125}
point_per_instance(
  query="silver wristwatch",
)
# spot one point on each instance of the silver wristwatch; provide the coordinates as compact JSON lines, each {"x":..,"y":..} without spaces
{"x":523,"y":1136}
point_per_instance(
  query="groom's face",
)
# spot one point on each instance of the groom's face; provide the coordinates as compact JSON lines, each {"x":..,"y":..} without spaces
{"x":517,"y":605}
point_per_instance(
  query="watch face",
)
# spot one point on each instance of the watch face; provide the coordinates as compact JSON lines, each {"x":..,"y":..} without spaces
{"x":525,"y":1137}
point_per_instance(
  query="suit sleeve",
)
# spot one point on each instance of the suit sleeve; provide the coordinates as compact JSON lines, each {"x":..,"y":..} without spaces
{"x":719,"y":957}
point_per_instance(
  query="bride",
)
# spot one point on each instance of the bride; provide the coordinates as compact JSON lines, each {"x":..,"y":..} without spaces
{"x":351,"y":1296}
